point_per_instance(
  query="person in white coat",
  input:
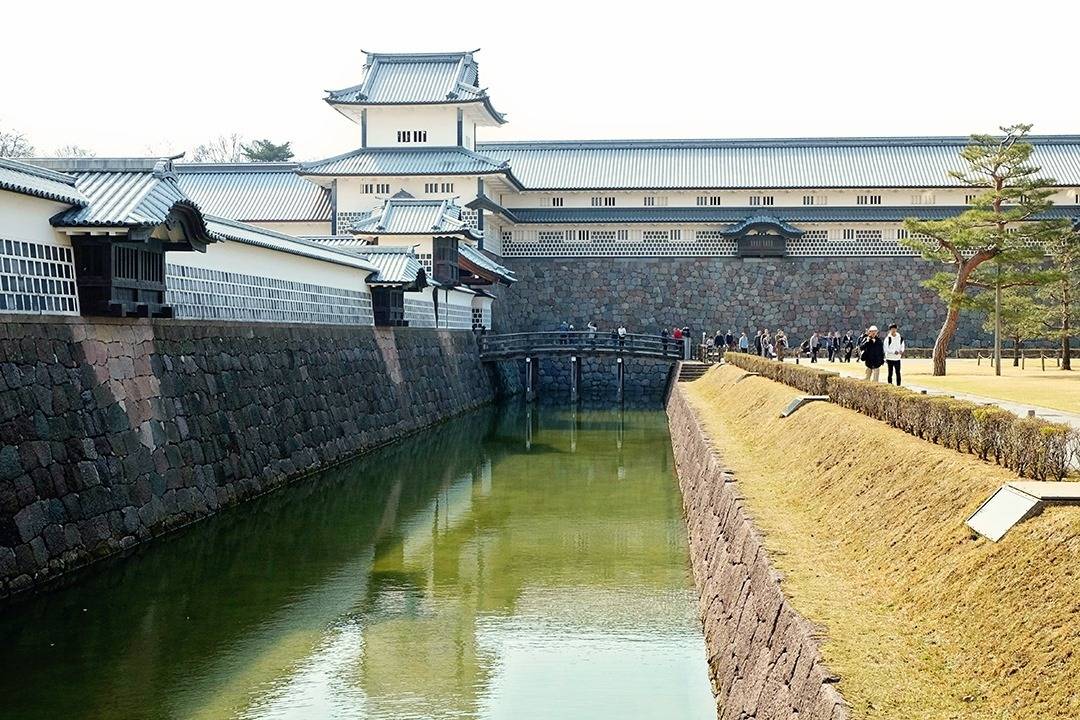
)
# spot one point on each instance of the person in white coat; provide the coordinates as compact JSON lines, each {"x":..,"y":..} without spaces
{"x":894,"y":351}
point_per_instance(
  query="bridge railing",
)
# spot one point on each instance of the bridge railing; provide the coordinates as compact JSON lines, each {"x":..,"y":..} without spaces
{"x":579,"y":342}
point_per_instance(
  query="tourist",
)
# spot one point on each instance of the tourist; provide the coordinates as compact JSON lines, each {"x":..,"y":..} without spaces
{"x":766,"y":340}
{"x":664,"y":339}
{"x":757,"y":342}
{"x":563,"y":328}
{"x":622,"y":337}
{"x":744,"y":343}
{"x":859,"y":344}
{"x":849,"y":346}
{"x":872,"y":352}
{"x":591,"y":329}
{"x":815,"y":345}
{"x":676,"y":333}
{"x":894,"y":351}
{"x":729,"y":339}
{"x":781,"y":345}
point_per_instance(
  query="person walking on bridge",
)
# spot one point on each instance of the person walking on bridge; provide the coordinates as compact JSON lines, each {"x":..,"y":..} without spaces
{"x":873,"y":354}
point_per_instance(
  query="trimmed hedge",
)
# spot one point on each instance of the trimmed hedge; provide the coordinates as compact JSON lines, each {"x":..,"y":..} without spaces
{"x":1030,"y":447}
{"x":808,"y":379}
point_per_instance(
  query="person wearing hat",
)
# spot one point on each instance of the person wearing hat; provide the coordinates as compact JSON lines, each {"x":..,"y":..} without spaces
{"x":873,"y":353}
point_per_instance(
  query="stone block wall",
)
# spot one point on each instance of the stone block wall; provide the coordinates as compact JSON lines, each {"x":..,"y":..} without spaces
{"x":645,"y":380}
{"x":764,"y":657}
{"x":116,"y":431}
{"x":797,"y":295}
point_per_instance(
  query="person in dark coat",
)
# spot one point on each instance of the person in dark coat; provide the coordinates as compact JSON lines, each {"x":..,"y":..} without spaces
{"x":849,"y":346}
{"x":873,"y":354}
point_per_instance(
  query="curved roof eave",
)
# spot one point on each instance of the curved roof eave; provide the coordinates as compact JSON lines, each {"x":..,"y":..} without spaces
{"x":497,"y":116}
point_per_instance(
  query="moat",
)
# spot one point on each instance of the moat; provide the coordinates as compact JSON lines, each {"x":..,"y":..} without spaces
{"x":512,"y":563}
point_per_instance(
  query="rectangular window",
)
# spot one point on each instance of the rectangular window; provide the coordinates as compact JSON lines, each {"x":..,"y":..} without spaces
{"x":926,"y":198}
{"x":411,"y":136}
{"x":431,"y":187}
{"x":807,"y":199}
{"x":649,"y":201}
{"x":577,"y":236}
{"x":848,"y":234}
{"x":603,"y":202}
{"x":448,"y":187}
{"x":713,"y":200}
{"x":556,"y":202}
{"x":756,"y":200}
{"x":970,"y":199}
{"x":654,"y":201}
{"x":676,"y":235}
{"x":382,"y":188}
{"x":868,"y":200}
{"x":622,"y":235}
{"x":901,"y":234}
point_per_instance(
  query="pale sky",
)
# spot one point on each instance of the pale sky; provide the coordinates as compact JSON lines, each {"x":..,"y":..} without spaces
{"x":122,"y":78}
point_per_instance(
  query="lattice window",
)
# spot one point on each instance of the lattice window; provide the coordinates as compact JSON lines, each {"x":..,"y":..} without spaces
{"x":412,"y":136}
{"x":868,"y":200}
{"x":970,"y":199}
{"x":654,"y":201}
{"x":556,"y":202}
{"x":901,"y":233}
{"x":470,"y":217}
{"x":926,"y":198}
{"x":625,"y":236}
{"x":577,"y":236}
{"x":427,"y":262}
{"x":603,"y":201}
{"x":376,"y":188}
{"x":764,"y":200}
{"x":847,"y":234}
{"x":478,"y":317}
{"x":204,"y":294}
{"x":676,"y":235}
{"x":37,"y":278}
{"x":448,"y":187}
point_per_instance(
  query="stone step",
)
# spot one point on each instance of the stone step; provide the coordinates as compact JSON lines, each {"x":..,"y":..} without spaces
{"x":690,"y":371}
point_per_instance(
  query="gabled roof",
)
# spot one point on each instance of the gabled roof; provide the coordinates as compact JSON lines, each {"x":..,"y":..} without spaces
{"x":254,"y":191}
{"x":451,"y":160}
{"x":397,"y":265}
{"x":480,"y":261}
{"x":226,"y":229}
{"x":760,"y":164}
{"x":125,"y":198}
{"x":39,"y":182}
{"x":405,"y":216}
{"x":812,"y":214}
{"x":417,"y":79}
{"x":759,"y":222}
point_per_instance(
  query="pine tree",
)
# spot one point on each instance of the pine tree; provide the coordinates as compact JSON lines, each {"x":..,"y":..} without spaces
{"x":266,"y":151}
{"x":1060,"y":294}
{"x":1001,"y":225}
{"x":1021,"y":317}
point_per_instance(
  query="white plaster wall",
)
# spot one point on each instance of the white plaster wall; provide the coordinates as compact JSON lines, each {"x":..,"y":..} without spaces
{"x":23,"y":217}
{"x":440,"y":121}
{"x":232,"y":256}
{"x":352,"y":198}
{"x":296,"y":228}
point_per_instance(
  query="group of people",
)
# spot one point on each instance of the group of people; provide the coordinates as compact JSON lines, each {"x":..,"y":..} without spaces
{"x":869,"y":347}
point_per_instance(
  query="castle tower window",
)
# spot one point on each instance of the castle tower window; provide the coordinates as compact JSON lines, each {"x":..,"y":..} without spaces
{"x":868,"y":200}
{"x":654,"y":201}
{"x":448,"y":187}
{"x":763,"y":200}
{"x":926,"y":198}
{"x":412,"y":136}
{"x":708,"y":200}
{"x":970,"y":199}
{"x":556,"y":202}
{"x":431,"y":187}
{"x":599,"y":201}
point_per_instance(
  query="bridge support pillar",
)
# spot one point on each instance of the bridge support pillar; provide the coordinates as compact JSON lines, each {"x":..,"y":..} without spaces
{"x":622,"y":375}
{"x":530,"y":391}
{"x":575,"y":372}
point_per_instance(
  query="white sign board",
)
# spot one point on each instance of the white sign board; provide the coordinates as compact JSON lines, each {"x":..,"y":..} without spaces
{"x":1006,"y":507}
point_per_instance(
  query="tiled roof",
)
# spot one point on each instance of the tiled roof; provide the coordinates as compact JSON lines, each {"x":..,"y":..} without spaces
{"x":767,"y":164}
{"x":416,"y":78}
{"x":406,"y":216}
{"x":124,"y":199}
{"x":478,"y":258}
{"x":738,"y":214}
{"x":254,"y":191}
{"x":451,"y":160}
{"x":40,"y":182}
{"x":742,"y":228}
{"x":225,"y":229}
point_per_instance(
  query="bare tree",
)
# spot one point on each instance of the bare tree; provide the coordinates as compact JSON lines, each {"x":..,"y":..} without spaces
{"x":223,"y":148}
{"x":15,"y":144}
{"x":74,"y":151}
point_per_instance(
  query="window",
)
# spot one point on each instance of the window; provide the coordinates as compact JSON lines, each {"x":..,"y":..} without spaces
{"x":676,"y":234}
{"x":708,"y":200}
{"x":507,"y":236}
{"x":603,"y":202}
{"x":431,"y":187}
{"x":808,"y":200}
{"x":556,"y":202}
{"x":653,"y":201}
{"x":550,"y":235}
{"x":1076,"y":199}
{"x":970,"y":199}
{"x":926,"y":198}
{"x":622,"y":235}
{"x":848,"y":234}
{"x":448,"y":187}
{"x":372,"y":188}
{"x":411,"y":136}
{"x":577,"y":236}
{"x":901,"y":234}
{"x":756,"y":200}
{"x":868,"y":200}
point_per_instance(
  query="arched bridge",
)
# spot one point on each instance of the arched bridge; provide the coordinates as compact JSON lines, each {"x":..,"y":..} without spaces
{"x":578,"y":343}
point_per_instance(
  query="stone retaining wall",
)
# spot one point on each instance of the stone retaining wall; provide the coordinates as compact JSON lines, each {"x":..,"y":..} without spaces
{"x":764,"y":658}
{"x":116,"y":431}
{"x":797,"y":295}
{"x":645,"y":380}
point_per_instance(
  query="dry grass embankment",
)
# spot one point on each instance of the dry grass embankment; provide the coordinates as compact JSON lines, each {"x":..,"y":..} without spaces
{"x":866,"y":522}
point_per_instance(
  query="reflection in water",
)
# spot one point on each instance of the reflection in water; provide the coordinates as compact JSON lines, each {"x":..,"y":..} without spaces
{"x":514,"y":563}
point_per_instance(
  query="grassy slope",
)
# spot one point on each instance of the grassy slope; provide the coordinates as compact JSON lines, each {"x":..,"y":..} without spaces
{"x":1053,"y":388}
{"x":924,"y":620}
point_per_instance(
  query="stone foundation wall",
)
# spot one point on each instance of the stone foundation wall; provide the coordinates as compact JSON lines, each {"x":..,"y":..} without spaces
{"x":797,"y":295}
{"x":116,"y":431}
{"x":764,"y":658}
{"x":645,"y":380}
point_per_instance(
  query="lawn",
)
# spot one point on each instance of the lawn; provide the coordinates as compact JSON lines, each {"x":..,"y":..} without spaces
{"x":1053,"y":388}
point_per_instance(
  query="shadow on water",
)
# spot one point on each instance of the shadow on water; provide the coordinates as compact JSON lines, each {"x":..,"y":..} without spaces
{"x":414,"y":582}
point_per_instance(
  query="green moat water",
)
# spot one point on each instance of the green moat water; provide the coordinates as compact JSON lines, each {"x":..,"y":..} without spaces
{"x":512,"y":563}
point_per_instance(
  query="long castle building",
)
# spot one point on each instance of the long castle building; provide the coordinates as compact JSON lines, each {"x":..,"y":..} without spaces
{"x":798,"y":234}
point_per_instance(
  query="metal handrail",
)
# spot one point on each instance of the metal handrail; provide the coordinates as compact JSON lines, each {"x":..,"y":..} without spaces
{"x":578,"y":341}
